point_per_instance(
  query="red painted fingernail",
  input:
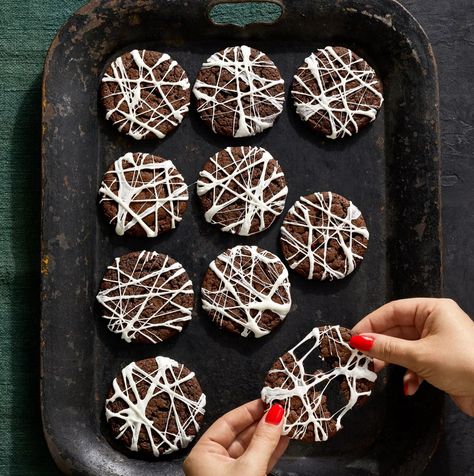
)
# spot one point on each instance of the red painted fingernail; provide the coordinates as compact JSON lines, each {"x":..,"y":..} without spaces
{"x":275,"y":415}
{"x":362,"y":342}
{"x":405,"y":389}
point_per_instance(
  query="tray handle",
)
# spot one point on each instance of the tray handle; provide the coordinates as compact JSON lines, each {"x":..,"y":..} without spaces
{"x":229,"y":10}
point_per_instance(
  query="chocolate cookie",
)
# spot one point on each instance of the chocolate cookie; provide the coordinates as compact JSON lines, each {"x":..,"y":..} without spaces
{"x":239,"y":92}
{"x":242,"y":190}
{"x":324,"y":236}
{"x":336,"y":92}
{"x":246,"y":290}
{"x":155,"y":406}
{"x":143,"y":195}
{"x":318,"y":382}
{"x":146,"y":94}
{"x":146,"y":297}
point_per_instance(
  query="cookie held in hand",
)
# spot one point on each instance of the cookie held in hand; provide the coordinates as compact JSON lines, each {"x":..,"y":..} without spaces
{"x":301,"y":380}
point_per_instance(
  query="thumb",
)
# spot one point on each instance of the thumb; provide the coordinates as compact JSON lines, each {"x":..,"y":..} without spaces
{"x":265,"y":440}
{"x":389,"y":349}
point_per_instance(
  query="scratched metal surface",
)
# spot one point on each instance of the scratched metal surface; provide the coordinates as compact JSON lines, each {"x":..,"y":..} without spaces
{"x":450,"y":27}
{"x":390,"y":170}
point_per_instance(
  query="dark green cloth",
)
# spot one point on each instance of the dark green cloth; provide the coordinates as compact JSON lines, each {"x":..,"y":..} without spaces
{"x":26,"y":30}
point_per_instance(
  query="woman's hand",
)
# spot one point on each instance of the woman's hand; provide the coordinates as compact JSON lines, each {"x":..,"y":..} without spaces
{"x":432,"y":338}
{"x":240,"y":443}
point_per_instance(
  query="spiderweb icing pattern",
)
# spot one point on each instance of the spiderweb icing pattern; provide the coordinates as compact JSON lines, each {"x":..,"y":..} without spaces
{"x":150,"y":101}
{"x":252,"y":282}
{"x":234,"y":187}
{"x":134,"y":416}
{"x":165,"y":191}
{"x":343,"y":83}
{"x":244,"y":95}
{"x":309,"y":387}
{"x":314,"y":249}
{"x":130,"y":300}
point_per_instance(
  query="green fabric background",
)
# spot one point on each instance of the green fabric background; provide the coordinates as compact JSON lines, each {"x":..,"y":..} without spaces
{"x":26,"y":30}
{"x":27,"y":27}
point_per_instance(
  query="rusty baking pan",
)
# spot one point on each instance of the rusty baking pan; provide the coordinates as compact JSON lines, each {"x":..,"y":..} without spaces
{"x":390,"y":170}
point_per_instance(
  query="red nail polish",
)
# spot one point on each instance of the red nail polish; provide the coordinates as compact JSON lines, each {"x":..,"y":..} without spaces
{"x":362,"y":342}
{"x":275,"y":414}
{"x":405,"y":389}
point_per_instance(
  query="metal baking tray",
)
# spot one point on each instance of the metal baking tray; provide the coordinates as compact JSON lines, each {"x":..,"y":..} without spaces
{"x":390,"y":170}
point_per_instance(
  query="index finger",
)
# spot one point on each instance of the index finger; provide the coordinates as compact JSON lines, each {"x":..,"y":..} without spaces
{"x":396,"y":317}
{"x":225,"y":430}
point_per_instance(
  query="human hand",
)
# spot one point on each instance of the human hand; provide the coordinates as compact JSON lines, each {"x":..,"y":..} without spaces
{"x":240,"y":443}
{"x":432,"y":338}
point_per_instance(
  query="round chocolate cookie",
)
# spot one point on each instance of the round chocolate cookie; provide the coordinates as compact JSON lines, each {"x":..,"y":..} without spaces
{"x":155,"y":406}
{"x":324,"y":236}
{"x":146,"y":94}
{"x":143,"y":195}
{"x":146,"y":297}
{"x":246,"y":290}
{"x":239,"y":92}
{"x":318,"y":382}
{"x":242,"y":190}
{"x":336,"y":92}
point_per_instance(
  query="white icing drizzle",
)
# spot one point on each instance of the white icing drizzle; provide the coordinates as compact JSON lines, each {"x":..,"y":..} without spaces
{"x":133,"y":417}
{"x":348,"y":76}
{"x":135,"y":93}
{"x":166,"y":179}
{"x":243,"y":105}
{"x":128,"y":313}
{"x":332,"y":228}
{"x":237,"y":294}
{"x":299,"y":382}
{"x":248,"y":196}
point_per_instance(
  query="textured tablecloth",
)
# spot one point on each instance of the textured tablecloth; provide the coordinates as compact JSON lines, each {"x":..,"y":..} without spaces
{"x":26,"y":30}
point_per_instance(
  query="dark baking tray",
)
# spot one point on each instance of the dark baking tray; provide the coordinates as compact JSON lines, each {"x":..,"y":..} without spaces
{"x":390,"y":170}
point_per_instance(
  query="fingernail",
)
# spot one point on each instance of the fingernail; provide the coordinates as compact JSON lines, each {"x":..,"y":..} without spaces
{"x":362,"y":342}
{"x":405,"y":389}
{"x":275,"y":415}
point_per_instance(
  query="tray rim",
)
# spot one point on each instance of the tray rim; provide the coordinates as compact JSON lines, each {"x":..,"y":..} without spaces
{"x":395,"y":7}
